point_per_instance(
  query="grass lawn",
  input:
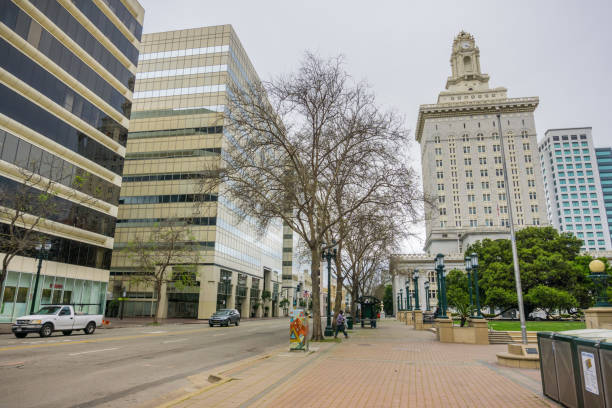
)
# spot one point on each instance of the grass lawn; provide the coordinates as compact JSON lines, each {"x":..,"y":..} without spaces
{"x":536,"y":325}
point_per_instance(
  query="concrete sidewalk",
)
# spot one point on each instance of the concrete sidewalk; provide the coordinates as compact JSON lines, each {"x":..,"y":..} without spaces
{"x":391,"y":366}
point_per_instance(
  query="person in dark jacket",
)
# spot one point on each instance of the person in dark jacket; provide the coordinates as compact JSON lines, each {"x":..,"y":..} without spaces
{"x":340,"y":325}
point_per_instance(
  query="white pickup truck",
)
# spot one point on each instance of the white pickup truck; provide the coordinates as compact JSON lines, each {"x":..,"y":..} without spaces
{"x":54,"y":318}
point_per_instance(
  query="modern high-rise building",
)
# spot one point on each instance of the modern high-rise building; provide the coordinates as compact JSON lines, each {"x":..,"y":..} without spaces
{"x":604,"y":166}
{"x":67,"y":72}
{"x":574,"y":199}
{"x":177,"y":133}
{"x":463,"y":175}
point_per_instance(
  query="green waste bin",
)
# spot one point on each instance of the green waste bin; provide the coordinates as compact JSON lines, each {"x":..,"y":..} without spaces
{"x":349,"y":322}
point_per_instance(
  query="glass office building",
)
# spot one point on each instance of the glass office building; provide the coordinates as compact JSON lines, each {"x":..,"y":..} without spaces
{"x":574,"y":197}
{"x":604,"y":165}
{"x":66,"y":86}
{"x":177,"y":134}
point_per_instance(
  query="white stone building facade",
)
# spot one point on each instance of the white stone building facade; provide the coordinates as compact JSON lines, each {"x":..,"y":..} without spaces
{"x":462,"y":160}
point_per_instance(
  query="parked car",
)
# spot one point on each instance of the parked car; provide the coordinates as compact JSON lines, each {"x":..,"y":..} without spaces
{"x":225,"y":317}
{"x":54,"y":318}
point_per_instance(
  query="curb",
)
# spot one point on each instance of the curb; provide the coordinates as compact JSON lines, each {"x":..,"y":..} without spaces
{"x":219,"y":378}
{"x":219,"y":381}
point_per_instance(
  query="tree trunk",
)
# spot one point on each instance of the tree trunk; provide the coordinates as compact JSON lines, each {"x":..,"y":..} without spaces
{"x":315,"y":275}
{"x":339,"y":281}
{"x":158,"y":289}
{"x":354,"y":297}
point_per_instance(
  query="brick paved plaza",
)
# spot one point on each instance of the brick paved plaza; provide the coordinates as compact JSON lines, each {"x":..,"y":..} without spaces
{"x":391,"y":366}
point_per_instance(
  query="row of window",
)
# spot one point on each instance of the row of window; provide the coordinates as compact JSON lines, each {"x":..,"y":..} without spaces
{"x":23,"y":154}
{"x":568,"y":152}
{"x":183,"y":53}
{"x":489,"y":222}
{"x":20,"y":22}
{"x":181,"y":71}
{"x":124,"y":15}
{"x":40,"y":120}
{"x":68,"y":251}
{"x":170,"y":198}
{"x":165,"y":177}
{"x":485,"y":185}
{"x":99,"y":19}
{"x":145,"y":222}
{"x":79,"y":34}
{"x":196,"y":110}
{"x":572,"y":137}
{"x":586,"y":219}
{"x":171,"y":154}
{"x":44,"y":82}
{"x":176,"y":132}
{"x":568,"y":159}
{"x":160,"y":93}
{"x":58,"y":209}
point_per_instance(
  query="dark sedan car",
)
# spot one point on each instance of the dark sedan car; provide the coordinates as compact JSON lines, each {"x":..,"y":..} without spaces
{"x":224,"y":317}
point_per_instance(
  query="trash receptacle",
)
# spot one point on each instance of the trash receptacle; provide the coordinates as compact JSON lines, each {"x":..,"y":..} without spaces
{"x":560,"y":375}
{"x":605,"y":362}
{"x":349,"y":322}
{"x":591,"y":381}
{"x":575,"y":371}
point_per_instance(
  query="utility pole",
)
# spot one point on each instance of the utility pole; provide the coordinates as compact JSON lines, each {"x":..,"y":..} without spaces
{"x":515,"y":261}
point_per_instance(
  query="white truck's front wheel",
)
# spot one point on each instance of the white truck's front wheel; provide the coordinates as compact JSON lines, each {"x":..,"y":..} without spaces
{"x":46,"y":330}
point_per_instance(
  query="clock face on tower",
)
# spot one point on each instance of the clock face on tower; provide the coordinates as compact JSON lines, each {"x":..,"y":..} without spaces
{"x":465,"y":45}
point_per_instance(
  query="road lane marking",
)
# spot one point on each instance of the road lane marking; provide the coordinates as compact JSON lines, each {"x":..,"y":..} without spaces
{"x":92,"y":351}
{"x":220,"y":334}
{"x":173,"y":341}
{"x":156,"y":332}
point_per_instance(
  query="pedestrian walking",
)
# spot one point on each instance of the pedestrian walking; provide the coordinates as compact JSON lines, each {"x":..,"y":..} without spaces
{"x":340,"y":325}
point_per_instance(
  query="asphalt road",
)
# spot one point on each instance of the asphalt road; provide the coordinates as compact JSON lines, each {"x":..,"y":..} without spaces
{"x":123,"y":367}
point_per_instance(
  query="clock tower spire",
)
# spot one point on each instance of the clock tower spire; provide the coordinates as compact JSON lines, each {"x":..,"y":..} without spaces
{"x":465,"y":65}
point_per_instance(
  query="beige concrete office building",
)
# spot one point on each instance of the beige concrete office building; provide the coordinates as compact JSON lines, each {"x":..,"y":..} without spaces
{"x":462,"y":162}
{"x":67,"y":73}
{"x":176,"y":131}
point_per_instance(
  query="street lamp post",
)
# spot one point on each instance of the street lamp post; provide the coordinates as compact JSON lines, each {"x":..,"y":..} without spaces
{"x":329,"y":254}
{"x":401,"y":302}
{"x":468,"y":269}
{"x":43,"y":252}
{"x":426,"y":284}
{"x":475,"y":268}
{"x":415,"y":278}
{"x":408,"y":296}
{"x":439,"y":284}
{"x":439,"y":264}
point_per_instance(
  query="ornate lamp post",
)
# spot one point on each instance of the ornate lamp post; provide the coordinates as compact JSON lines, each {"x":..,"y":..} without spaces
{"x":475,"y":268}
{"x":401,"y":299}
{"x":399,"y":306}
{"x":426,"y":284}
{"x":408,"y":300}
{"x":440,"y":268}
{"x":468,"y":269}
{"x":329,"y":255}
{"x":43,"y":252}
{"x":600,"y":279}
{"x":415,"y":279}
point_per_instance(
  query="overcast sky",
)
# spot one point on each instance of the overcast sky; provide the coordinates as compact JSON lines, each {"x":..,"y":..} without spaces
{"x":558,"y":50}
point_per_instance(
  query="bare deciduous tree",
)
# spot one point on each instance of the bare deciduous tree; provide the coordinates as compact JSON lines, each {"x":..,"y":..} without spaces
{"x":299,"y":141}
{"x":28,"y":204}
{"x":169,"y":255}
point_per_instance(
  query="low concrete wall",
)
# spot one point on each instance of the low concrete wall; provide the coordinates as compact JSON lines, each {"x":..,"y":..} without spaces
{"x":477,"y":332}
